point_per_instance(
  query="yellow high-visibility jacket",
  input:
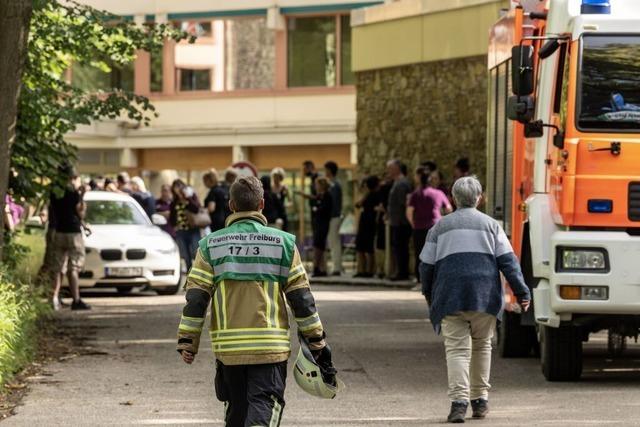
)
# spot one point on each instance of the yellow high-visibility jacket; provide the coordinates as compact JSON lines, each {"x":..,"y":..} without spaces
{"x":251,"y":272}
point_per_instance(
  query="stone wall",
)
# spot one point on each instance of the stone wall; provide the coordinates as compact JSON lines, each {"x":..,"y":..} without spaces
{"x":431,"y":111}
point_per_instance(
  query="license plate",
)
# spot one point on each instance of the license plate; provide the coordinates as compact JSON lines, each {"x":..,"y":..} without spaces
{"x":123,"y":271}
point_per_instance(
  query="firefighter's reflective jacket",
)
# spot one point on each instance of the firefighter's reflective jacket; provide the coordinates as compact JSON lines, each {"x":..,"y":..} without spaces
{"x":250,"y":272}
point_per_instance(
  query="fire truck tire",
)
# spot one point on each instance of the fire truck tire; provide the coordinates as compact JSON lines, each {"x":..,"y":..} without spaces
{"x":514,"y":339}
{"x":561,"y":353}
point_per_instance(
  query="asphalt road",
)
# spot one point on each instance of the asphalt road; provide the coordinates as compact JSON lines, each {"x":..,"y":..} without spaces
{"x":389,"y":357}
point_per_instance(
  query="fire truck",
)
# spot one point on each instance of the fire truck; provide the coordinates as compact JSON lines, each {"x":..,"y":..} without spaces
{"x":563,"y":175}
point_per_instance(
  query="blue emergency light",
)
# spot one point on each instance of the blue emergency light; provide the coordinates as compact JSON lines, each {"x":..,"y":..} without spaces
{"x":600,"y":206}
{"x":595,"y":7}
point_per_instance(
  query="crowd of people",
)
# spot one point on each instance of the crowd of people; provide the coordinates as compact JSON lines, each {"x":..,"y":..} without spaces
{"x":409,"y":208}
{"x":393,"y":211}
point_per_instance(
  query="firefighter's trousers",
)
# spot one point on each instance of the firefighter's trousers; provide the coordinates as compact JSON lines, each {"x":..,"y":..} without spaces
{"x":253,"y":394}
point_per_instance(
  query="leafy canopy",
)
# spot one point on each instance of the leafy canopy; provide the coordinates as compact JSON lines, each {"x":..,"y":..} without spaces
{"x":50,"y":106}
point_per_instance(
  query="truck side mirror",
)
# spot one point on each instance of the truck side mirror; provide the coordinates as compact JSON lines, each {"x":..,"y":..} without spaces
{"x":520,"y":108}
{"x":522,"y":70}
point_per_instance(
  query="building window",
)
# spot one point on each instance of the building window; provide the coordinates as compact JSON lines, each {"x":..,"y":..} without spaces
{"x":155,"y":77}
{"x":311,"y":51}
{"x":346,"y":75}
{"x":92,"y":79}
{"x":229,"y":54}
{"x":191,"y":80}
{"x":314,"y":45}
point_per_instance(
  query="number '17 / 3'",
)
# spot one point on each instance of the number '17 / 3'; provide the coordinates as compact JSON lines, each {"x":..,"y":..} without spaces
{"x":247,"y":250}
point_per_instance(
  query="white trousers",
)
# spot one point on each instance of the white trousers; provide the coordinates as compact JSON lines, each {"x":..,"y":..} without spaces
{"x":467,"y":340}
{"x":335,"y":244}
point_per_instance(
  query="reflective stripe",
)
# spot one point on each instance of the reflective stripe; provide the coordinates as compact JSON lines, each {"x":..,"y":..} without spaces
{"x":222,"y":340}
{"x":252,"y":346}
{"x":271,"y":294}
{"x":276,"y":412}
{"x":224,"y":304}
{"x":251,"y":268}
{"x":296,"y":273}
{"x":191,"y":324}
{"x":197,"y":273}
{"x":267,"y":295}
{"x":276,"y":303}
{"x":248,"y":331}
{"x":263,"y":334}
{"x":219,"y":306}
{"x":309,"y":323}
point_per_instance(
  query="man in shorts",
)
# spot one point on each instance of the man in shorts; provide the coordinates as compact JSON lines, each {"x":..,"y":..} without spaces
{"x":68,"y":243}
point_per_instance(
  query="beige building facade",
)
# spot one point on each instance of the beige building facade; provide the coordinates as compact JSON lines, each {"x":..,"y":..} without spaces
{"x":267,"y":82}
{"x":422,"y":75}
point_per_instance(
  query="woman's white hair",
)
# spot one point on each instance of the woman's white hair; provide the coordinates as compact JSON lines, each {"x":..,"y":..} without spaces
{"x":467,"y":192}
{"x":139,"y":182}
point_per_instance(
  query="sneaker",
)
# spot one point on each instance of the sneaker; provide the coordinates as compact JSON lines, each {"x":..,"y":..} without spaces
{"x":480,"y":408}
{"x":56,"y":304}
{"x":458,"y":412}
{"x":80,"y":305}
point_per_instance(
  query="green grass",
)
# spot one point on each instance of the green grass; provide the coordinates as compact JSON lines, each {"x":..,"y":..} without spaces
{"x":27,"y":270}
{"x":21,"y":303}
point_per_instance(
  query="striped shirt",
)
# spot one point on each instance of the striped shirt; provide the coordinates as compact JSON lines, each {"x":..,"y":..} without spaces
{"x":461,"y":264}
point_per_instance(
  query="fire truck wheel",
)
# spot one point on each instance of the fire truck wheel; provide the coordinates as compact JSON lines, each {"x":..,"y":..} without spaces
{"x":561,"y":353}
{"x":514,"y":339}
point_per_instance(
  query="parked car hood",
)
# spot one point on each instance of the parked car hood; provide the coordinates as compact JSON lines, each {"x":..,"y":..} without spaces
{"x":129,"y":236}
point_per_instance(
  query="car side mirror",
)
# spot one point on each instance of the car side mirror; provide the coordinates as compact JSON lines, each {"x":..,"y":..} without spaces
{"x":522,"y":70}
{"x":158,"y":220}
{"x":520,"y":108}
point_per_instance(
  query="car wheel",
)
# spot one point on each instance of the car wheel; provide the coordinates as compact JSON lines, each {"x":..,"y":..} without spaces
{"x":170,"y":290}
{"x":124,"y":290}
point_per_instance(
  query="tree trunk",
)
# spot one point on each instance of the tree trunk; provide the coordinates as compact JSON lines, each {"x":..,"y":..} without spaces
{"x":15,"y":16}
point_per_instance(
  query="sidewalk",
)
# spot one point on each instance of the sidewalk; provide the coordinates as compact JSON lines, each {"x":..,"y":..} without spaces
{"x":348,"y":279}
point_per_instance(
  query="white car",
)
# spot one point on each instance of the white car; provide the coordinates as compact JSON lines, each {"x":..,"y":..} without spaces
{"x":125,"y":249}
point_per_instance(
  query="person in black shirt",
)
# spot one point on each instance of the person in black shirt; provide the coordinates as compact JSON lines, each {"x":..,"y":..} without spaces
{"x":365,"y":237}
{"x":217,"y":200}
{"x":282,"y":194}
{"x":69,"y":210}
{"x":334,"y":239}
{"x":184,"y":204}
{"x":323,"y":209}
{"x":310,"y":172}
{"x":272,"y":208}
{"x":381,"y":225}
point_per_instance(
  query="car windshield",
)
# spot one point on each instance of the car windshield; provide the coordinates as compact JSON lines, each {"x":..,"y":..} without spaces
{"x":610,"y":83}
{"x":108,"y":212}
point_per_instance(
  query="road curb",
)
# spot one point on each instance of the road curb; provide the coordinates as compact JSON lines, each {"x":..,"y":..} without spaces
{"x":362,"y":282}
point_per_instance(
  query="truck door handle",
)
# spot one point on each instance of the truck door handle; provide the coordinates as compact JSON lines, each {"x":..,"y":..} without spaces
{"x":615,"y":148}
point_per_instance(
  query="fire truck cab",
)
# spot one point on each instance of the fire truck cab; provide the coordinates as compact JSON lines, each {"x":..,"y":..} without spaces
{"x":563,"y":175}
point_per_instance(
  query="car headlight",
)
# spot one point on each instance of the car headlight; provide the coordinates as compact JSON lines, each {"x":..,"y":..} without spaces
{"x":579,"y":259}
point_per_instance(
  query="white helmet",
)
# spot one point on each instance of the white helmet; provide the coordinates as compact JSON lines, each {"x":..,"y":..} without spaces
{"x":315,"y":380}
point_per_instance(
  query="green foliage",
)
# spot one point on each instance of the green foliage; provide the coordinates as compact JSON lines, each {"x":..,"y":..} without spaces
{"x":20,"y":308}
{"x":50,"y":106}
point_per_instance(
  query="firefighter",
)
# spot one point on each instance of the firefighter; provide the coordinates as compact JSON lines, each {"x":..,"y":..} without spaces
{"x":250,"y":272}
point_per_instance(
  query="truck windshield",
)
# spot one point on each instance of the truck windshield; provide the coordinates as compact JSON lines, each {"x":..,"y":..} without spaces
{"x":609,"y":93}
